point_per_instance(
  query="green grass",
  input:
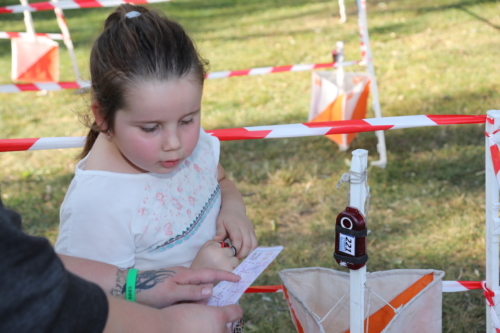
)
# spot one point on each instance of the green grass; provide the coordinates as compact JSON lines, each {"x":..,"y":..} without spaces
{"x":427,"y":206}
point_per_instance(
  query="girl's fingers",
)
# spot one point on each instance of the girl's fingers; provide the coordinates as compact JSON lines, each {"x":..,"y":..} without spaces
{"x":255,"y":242}
{"x":249,"y":243}
{"x":233,"y":262}
{"x":247,"y":246}
{"x":220,"y":232}
{"x":236,"y":237}
{"x":228,"y":252}
{"x":230,"y":263}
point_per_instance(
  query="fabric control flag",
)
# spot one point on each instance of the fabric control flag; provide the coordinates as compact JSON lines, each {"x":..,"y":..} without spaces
{"x":396,"y":301}
{"x":331,"y":101}
{"x":35,"y":59}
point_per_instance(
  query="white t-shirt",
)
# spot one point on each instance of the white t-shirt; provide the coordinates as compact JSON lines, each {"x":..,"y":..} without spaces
{"x":147,"y":221}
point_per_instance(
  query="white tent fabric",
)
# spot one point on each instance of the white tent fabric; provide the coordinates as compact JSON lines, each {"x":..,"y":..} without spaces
{"x":396,"y":301}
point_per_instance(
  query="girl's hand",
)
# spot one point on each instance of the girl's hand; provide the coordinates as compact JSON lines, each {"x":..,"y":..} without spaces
{"x":212,"y":255}
{"x":232,"y":221}
{"x":234,"y":224}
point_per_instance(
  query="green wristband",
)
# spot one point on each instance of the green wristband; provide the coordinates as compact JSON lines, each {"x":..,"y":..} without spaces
{"x":131,"y":280}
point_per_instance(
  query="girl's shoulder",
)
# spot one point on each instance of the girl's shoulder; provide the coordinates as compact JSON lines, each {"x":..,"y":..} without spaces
{"x":210,"y":143}
{"x":96,"y":183}
{"x":82,"y":170}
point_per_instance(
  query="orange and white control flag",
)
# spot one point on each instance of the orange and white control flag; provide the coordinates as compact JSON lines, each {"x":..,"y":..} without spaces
{"x":331,"y":102}
{"x":35,"y":59}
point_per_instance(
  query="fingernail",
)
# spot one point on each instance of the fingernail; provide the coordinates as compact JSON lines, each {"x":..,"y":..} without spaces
{"x":206,"y":291}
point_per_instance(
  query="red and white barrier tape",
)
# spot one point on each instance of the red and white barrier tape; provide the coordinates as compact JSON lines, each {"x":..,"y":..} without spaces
{"x":495,"y":154}
{"x":457,"y":286}
{"x":13,"y":88}
{"x":73,"y":4}
{"x":276,"y":69}
{"x":488,"y":295}
{"x":10,"y":35}
{"x":342,"y":127}
{"x":448,"y":287}
{"x":273,"y":131}
{"x":37,"y":86}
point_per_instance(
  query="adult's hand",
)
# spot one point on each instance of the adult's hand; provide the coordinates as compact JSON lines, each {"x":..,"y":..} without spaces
{"x":158,"y":288}
{"x":168,"y":286}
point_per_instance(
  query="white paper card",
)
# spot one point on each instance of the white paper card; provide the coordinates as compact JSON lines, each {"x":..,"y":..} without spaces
{"x":226,"y":293}
{"x":347,"y":244}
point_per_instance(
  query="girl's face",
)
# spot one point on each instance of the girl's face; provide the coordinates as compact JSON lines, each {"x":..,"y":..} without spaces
{"x":160,"y":126}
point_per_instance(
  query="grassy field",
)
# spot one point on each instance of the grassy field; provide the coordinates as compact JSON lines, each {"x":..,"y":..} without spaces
{"x":427,"y":206}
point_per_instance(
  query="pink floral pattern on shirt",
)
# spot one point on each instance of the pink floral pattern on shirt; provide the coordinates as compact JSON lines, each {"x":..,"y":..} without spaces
{"x":173,"y":203}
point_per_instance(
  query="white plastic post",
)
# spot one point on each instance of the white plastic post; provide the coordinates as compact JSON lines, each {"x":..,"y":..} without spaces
{"x":358,"y":197}
{"x":368,"y":60}
{"x":340,"y":79}
{"x":28,"y":20}
{"x":492,"y":221}
{"x":343,"y":17}
{"x":61,"y":21}
{"x":339,"y":49}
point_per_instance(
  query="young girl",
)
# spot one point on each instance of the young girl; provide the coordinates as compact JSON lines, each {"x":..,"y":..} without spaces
{"x":149,"y":192}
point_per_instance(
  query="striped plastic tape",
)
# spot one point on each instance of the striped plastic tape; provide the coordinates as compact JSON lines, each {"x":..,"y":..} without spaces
{"x":38,"y":86}
{"x":12,"y":88}
{"x":74,"y":4}
{"x":448,"y":287}
{"x":10,"y":35}
{"x":495,"y":152}
{"x":274,"y":131}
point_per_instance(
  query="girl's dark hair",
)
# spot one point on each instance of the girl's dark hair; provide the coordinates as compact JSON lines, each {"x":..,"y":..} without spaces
{"x":134,"y":49}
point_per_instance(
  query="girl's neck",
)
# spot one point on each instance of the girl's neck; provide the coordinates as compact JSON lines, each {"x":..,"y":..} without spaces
{"x":105,"y":156}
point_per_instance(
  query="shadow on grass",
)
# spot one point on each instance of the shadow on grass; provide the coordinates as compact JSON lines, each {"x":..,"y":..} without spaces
{"x":217,"y":17}
{"x":196,"y":17}
{"x":462,"y":6}
{"x":38,"y":200}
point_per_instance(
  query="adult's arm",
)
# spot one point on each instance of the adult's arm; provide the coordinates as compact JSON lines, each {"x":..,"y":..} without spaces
{"x":125,"y":317}
{"x":157,"y":288}
{"x":37,"y":293}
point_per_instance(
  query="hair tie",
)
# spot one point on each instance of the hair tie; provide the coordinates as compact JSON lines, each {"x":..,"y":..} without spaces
{"x":132,"y":14}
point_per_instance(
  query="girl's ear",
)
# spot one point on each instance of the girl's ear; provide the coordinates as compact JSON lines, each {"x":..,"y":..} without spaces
{"x":96,"y":110}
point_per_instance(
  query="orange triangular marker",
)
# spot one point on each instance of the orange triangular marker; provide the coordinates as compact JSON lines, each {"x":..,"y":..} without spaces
{"x":360,"y":110}
{"x":380,"y":319}
{"x":35,"y":60}
{"x":43,"y":70}
{"x":333,"y":112}
{"x":331,"y":102}
{"x":296,"y":320}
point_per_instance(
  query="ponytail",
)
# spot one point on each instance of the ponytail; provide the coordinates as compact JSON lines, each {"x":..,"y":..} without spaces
{"x":89,"y":142}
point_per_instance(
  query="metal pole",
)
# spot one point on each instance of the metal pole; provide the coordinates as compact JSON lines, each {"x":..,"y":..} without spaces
{"x":357,"y":200}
